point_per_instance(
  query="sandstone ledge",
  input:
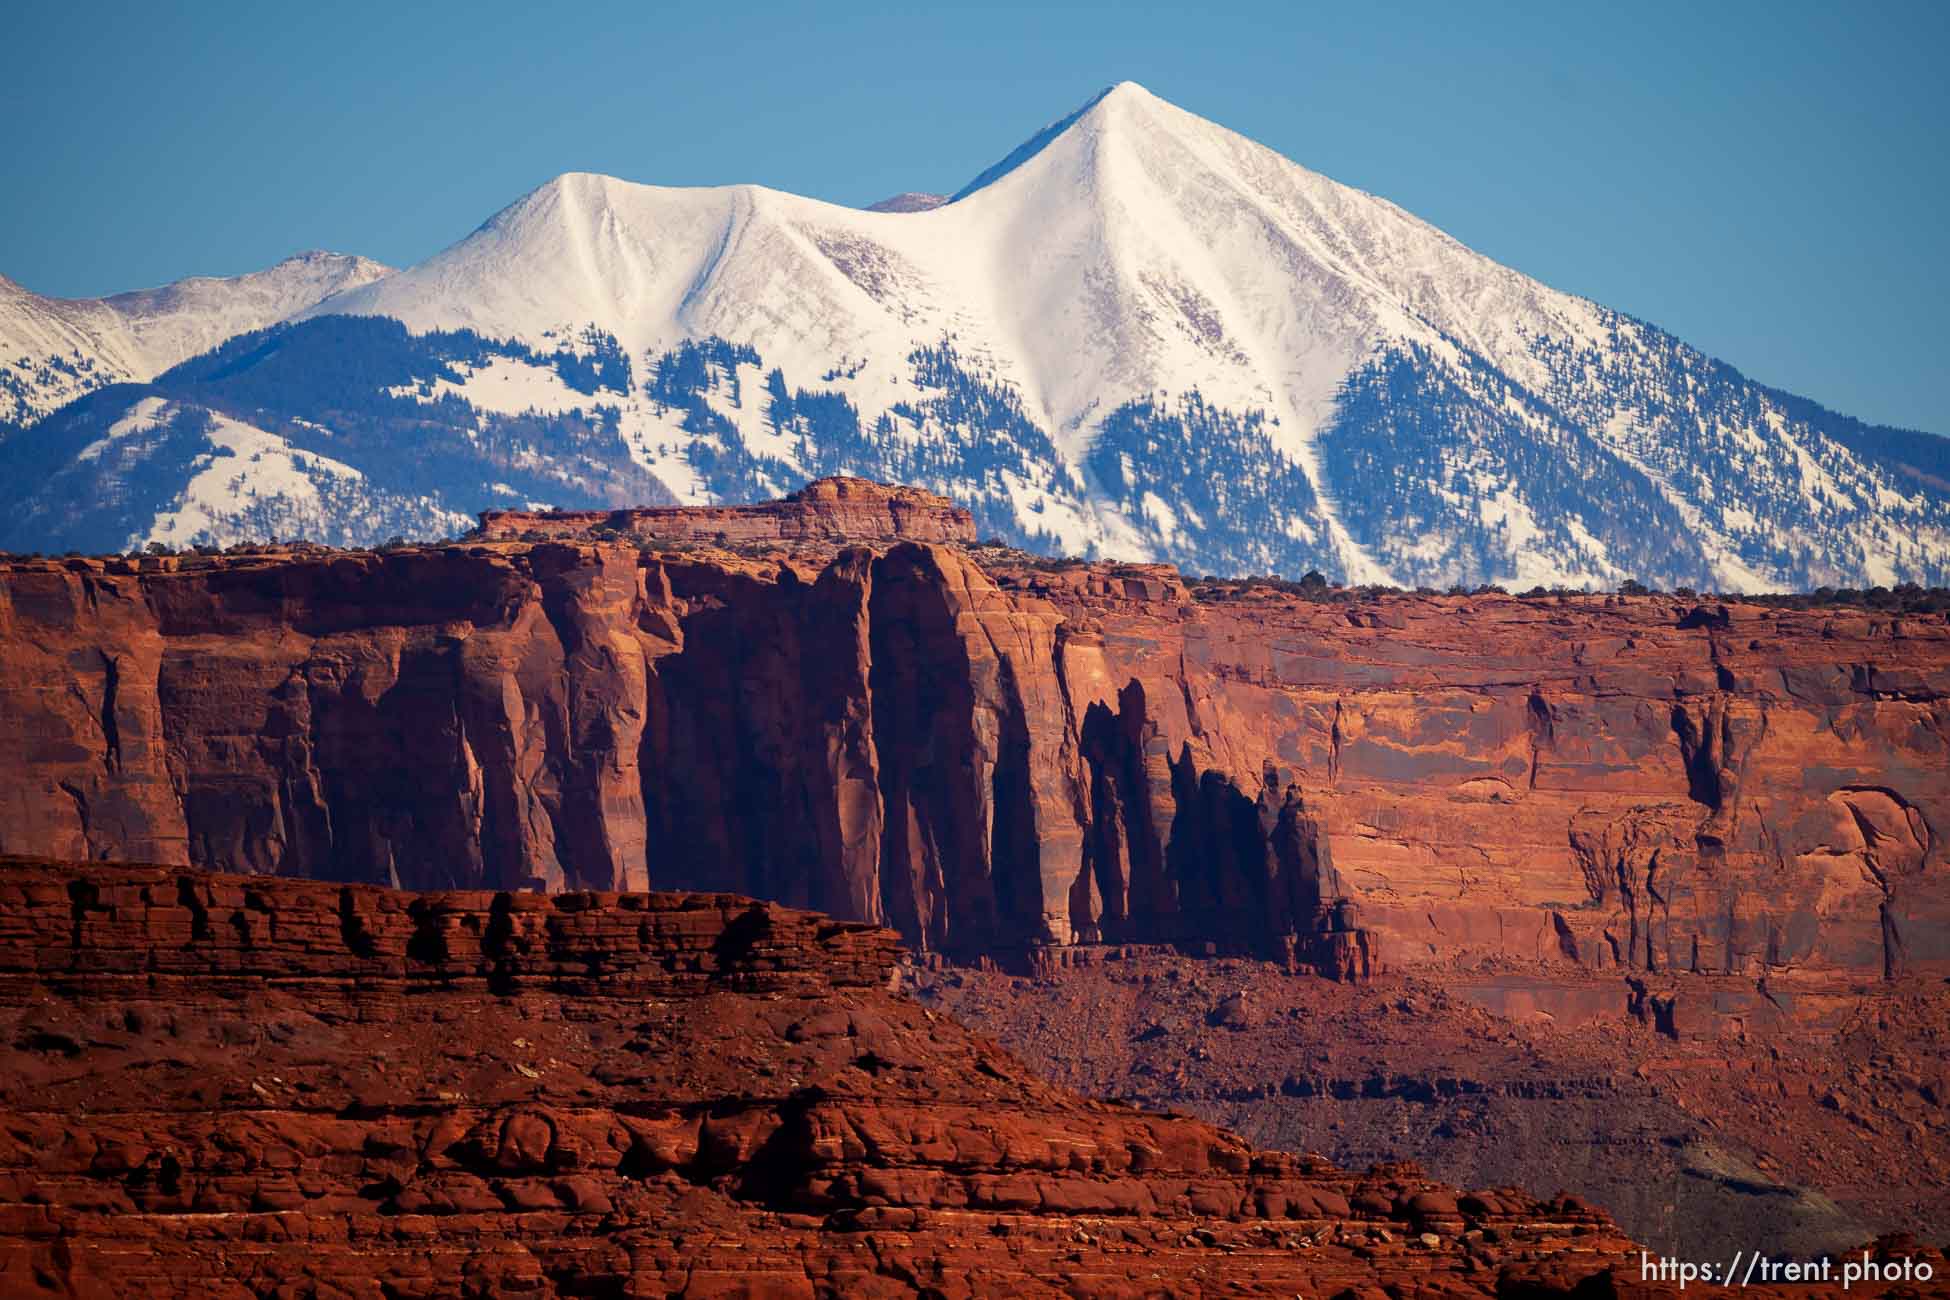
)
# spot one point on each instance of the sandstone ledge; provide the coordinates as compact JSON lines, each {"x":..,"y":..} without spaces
{"x":158,"y":922}
{"x":182,"y":1115}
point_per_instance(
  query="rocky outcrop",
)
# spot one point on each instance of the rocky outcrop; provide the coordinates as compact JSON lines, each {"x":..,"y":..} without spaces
{"x":226,"y":1085}
{"x":988,"y":754}
{"x":887,"y":735}
{"x":827,"y":509}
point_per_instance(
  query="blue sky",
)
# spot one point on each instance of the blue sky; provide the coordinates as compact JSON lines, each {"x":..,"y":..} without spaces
{"x":1768,"y":181}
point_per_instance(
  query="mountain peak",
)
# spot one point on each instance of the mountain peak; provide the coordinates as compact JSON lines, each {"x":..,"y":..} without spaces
{"x":1120,"y":110}
{"x":1040,"y":141}
{"x":575,"y":183}
{"x":565,"y":189}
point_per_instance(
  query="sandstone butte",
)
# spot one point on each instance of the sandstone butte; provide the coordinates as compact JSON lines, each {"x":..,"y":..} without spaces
{"x":223,"y":1085}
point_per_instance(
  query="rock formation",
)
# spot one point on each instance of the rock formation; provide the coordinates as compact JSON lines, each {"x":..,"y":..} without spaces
{"x":827,"y":509}
{"x":247,"y":1086}
{"x":990,"y":754}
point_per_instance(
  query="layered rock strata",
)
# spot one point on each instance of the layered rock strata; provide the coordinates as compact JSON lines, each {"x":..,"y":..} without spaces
{"x":218,"y":1085}
{"x":988,"y":754}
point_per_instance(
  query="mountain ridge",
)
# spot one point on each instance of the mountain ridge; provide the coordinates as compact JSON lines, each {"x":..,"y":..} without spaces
{"x":1142,"y":335}
{"x":53,"y":350}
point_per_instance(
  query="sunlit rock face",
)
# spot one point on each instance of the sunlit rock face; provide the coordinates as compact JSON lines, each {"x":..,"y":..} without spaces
{"x":598,"y":1093}
{"x":989,"y":753}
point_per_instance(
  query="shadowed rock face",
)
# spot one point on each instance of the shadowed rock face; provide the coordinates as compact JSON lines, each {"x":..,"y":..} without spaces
{"x":217,"y":1084}
{"x":987,"y":756}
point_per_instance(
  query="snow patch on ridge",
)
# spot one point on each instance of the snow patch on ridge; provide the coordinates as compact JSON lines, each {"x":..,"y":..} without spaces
{"x":507,"y":385}
{"x":247,"y":469}
{"x":141,"y":418}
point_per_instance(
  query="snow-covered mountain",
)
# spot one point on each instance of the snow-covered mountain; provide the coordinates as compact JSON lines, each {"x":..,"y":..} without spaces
{"x":1138,"y":335}
{"x":53,"y":350}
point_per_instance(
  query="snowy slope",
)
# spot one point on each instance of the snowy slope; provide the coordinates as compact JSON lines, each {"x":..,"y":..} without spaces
{"x":344,"y":429}
{"x":53,"y":350}
{"x":169,"y":471}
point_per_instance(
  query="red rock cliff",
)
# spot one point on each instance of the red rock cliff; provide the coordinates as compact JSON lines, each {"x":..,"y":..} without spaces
{"x":985,"y":755}
{"x":217,"y":1085}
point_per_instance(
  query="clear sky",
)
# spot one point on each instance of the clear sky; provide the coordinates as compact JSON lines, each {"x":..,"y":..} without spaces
{"x":1768,"y":181}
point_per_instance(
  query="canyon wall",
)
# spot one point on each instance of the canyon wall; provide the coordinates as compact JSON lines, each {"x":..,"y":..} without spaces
{"x":989,"y":754}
